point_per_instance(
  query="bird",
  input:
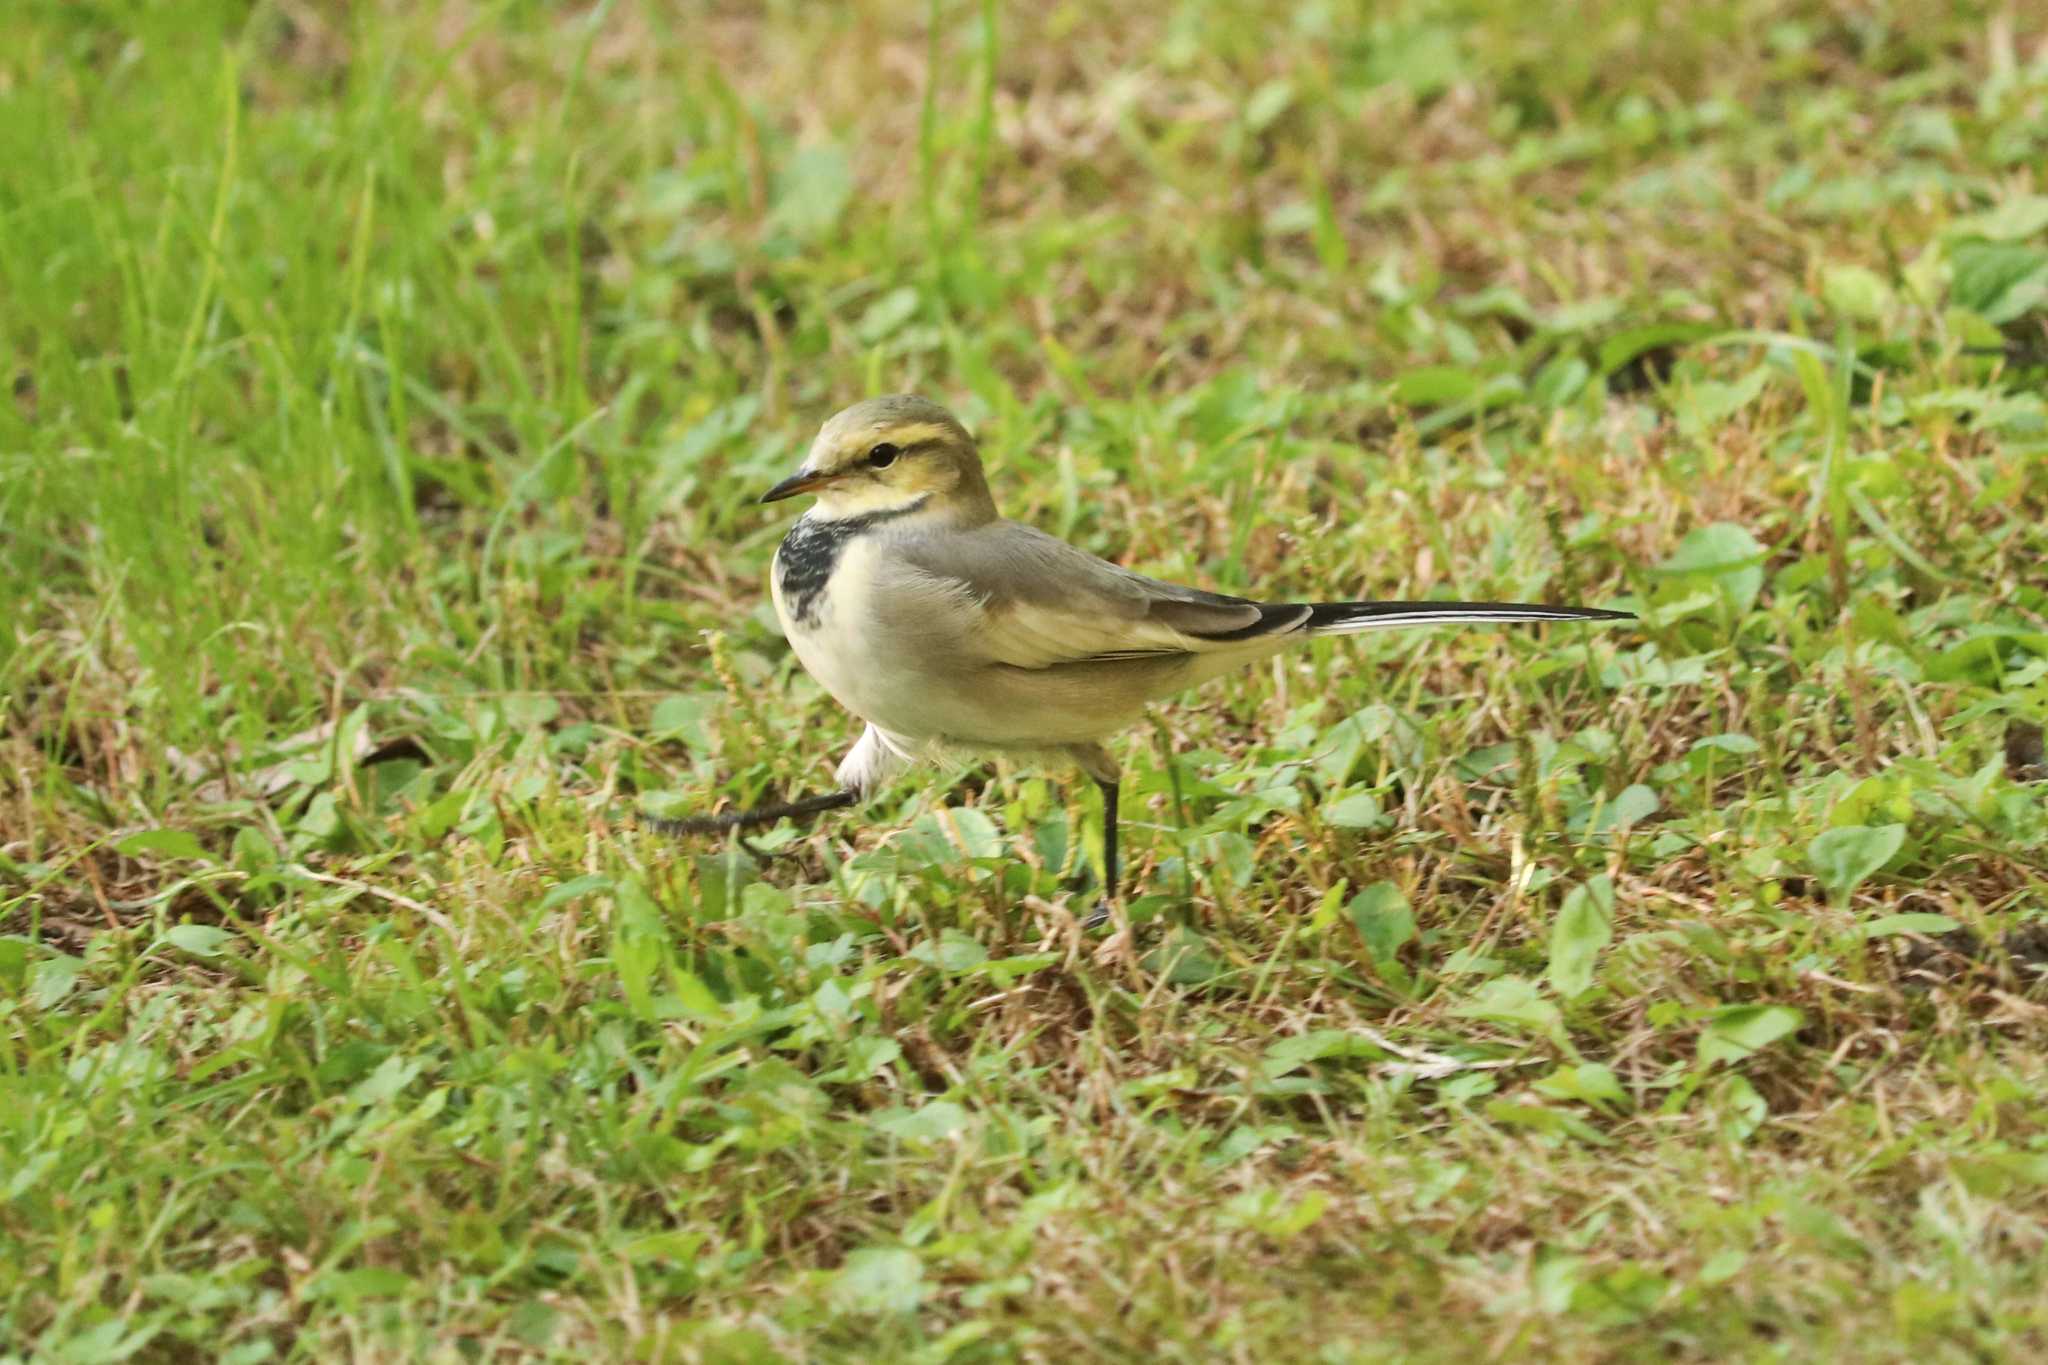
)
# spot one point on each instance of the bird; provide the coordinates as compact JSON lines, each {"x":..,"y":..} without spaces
{"x":943,"y":626}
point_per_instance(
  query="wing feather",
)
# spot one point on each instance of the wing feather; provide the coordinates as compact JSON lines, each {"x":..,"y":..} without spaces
{"x":1036,"y":602}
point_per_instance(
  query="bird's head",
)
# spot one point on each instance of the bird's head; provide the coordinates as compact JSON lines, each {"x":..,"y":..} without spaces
{"x":888,"y":454}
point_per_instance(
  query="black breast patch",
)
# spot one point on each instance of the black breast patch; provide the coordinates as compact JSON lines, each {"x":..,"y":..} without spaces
{"x":804,"y":564}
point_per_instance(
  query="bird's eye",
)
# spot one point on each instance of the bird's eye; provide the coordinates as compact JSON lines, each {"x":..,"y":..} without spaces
{"x":883,"y":455}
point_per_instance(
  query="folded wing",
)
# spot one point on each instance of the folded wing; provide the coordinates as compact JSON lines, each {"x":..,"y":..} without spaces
{"x":1036,"y":602}
{"x":1024,"y":599}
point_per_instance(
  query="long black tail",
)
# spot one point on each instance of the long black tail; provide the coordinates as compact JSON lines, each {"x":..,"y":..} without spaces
{"x":1347,"y":618}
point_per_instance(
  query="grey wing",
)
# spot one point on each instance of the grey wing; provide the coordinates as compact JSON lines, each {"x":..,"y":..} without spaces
{"x":1031,"y":601}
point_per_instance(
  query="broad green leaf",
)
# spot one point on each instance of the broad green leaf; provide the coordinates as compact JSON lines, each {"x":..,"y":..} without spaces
{"x":1705,"y":404}
{"x":682,"y":717}
{"x":1290,"y":1054}
{"x":1554,"y":1279}
{"x":1560,"y":381}
{"x":1996,"y":1172}
{"x":1725,"y":553}
{"x":954,"y":952}
{"x":573,"y":889}
{"x":1740,"y":1030}
{"x":1743,"y":1110}
{"x":866,"y":1055}
{"x":880,"y":1280}
{"x":1588,"y":1081}
{"x":1004,"y":970}
{"x":1186,"y":960}
{"x":101,"y":1344}
{"x":639,"y":946}
{"x":52,"y":979}
{"x":1634,"y":804}
{"x":1926,"y":128}
{"x":886,"y":314}
{"x":1722,"y":1266}
{"x":932,"y":1122}
{"x":1986,"y":655}
{"x":1845,"y":858}
{"x":1360,"y":810}
{"x":1623,"y":347}
{"x":322,"y":818}
{"x":364,"y":1282}
{"x":172,"y":843}
{"x":1514,"y":1001}
{"x":1296,"y":1217}
{"x":1434,"y":385}
{"x":1884,"y":926}
{"x":1272,"y":1214}
{"x":201,"y":940}
{"x":1584,"y":926}
{"x":1232,"y":858}
{"x":1384,"y":919}
{"x":1999,"y":280}
{"x":1584,"y":315}
{"x":689,"y":992}
{"x":1719,"y":548}
{"x":813,"y":191}
{"x":833,"y":1003}
{"x":975,"y":832}
{"x":2018,"y":218}
{"x":1544,"y":1119}
{"x":522,"y":714}
{"x":1425,"y":57}
{"x":1267,"y":103}
{"x":387,"y":1082}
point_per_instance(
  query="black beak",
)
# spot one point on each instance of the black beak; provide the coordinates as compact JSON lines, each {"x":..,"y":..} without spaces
{"x":796,"y":483}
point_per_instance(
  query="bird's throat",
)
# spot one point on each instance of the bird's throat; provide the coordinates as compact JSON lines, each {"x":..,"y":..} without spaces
{"x":811,"y":551}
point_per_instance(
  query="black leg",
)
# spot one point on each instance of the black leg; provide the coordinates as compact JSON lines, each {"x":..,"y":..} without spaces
{"x":1100,"y":915}
{"x":1109,"y":879}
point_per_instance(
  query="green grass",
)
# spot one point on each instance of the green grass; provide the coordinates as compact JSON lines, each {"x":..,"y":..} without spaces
{"x":388,"y":387}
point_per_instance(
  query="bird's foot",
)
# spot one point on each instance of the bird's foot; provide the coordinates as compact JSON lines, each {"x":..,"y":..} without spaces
{"x":1097,"y":917}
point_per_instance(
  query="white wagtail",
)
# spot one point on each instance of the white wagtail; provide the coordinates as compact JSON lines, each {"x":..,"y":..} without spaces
{"x":942,"y":625}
